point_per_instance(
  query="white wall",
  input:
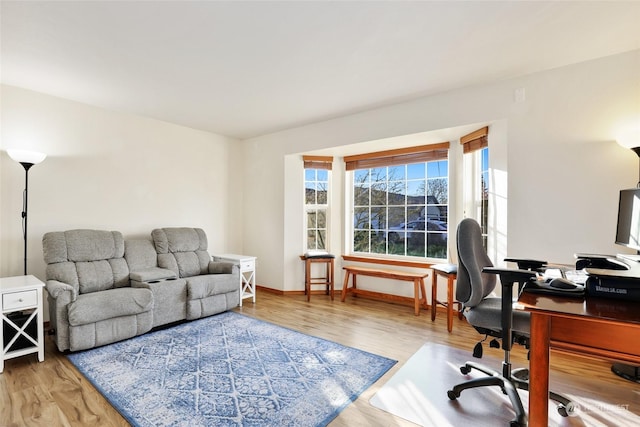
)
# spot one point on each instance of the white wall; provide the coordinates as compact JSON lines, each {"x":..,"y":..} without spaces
{"x":113,"y":171}
{"x":564,"y":167}
{"x":116,"y":171}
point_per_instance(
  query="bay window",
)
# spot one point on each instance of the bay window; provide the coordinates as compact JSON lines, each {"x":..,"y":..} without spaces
{"x":316,"y":186}
{"x":400,"y":201}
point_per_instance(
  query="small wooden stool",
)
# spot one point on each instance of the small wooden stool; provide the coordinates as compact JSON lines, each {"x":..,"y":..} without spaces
{"x":327,"y":280}
{"x":450,"y":271}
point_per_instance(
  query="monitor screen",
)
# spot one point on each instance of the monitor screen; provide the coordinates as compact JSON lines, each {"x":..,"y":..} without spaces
{"x":628,"y":232}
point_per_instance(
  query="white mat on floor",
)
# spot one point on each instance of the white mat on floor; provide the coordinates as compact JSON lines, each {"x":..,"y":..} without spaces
{"x":418,"y":393}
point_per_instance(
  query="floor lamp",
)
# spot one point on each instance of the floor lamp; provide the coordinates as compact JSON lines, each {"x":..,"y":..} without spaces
{"x":631,"y":140}
{"x":26,"y":159}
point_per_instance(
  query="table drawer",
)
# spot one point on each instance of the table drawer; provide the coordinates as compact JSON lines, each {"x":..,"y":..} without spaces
{"x":19,"y":300}
{"x":246,"y":265}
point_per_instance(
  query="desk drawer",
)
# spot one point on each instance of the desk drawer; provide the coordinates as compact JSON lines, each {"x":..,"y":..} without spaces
{"x":19,"y":300}
{"x":599,"y":338}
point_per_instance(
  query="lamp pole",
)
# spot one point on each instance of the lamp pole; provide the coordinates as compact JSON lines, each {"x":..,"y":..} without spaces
{"x":25,"y":199}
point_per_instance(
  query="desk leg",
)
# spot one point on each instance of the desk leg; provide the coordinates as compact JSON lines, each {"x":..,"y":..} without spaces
{"x":539,"y":371}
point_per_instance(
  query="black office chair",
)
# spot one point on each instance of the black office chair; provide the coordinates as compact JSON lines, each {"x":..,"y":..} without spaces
{"x":494,"y":316}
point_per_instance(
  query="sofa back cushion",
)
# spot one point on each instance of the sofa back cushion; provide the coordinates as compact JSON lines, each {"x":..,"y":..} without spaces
{"x":140,"y":254}
{"x":182,"y":249}
{"x":89,"y":260}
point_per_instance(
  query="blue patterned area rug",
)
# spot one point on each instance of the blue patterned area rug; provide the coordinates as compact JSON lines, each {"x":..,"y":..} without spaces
{"x":229,"y":370}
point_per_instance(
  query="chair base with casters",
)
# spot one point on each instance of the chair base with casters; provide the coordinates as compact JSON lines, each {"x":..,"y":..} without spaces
{"x":628,"y":372}
{"x":509,"y":381}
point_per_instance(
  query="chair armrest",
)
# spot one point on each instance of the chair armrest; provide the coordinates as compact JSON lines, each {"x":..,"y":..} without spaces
{"x":509,"y":276}
{"x":220,"y":267}
{"x":527,"y":264}
{"x":63,"y":292}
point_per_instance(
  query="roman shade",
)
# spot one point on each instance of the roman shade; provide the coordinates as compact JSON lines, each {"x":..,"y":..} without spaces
{"x":317,"y":162}
{"x":401,"y":156}
{"x":476,"y":140}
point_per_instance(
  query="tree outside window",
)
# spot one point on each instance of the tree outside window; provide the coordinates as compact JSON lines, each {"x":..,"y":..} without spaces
{"x":402,"y":209}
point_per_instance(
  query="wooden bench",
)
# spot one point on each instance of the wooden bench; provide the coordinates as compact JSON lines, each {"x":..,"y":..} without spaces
{"x":416,"y":278}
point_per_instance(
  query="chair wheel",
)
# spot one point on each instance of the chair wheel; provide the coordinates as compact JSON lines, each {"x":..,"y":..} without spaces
{"x":465,"y":369}
{"x":562,"y":410}
{"x":453,"y":395}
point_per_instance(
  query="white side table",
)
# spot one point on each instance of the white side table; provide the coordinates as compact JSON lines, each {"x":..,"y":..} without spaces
{"x":247,"y":266}
{"x":21,"y":318}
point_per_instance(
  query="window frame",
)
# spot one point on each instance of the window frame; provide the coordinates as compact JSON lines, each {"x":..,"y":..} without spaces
{"x":317,"y":164}
{"x":405,"y":157}
{"x":476,"y":188}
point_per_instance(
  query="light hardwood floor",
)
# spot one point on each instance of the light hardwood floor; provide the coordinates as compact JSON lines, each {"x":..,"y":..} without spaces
{"x":54,"y":393}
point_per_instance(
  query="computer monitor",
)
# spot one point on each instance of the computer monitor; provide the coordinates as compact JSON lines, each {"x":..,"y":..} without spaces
{"x":628,"y":230}
{"x":628,"y":234}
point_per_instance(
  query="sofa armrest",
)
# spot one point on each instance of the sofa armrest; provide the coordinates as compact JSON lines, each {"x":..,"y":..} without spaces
{"x":152,"y":274}
{"x":60,"y":296}
{"x":61,"y":292}
{"x":220,"y":267}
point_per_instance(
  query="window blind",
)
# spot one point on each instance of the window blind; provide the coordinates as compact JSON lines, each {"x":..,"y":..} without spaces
{"x":476,"y":140}
{"x":401,"y":156}
{"x":318,"y":162}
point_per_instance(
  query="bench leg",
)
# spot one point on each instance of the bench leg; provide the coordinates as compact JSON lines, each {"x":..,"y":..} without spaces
{"x":419,"y":295}
{"x":344,"y":285}
{"x":423,"y":301}
{"x":416,"y":297}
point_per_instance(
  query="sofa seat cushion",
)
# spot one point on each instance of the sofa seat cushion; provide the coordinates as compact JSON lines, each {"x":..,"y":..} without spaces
{"x":109,"y":304}
{"x":199,"y":287}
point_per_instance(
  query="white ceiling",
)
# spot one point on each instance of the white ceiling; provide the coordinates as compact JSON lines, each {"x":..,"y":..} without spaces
{"x":244,"y":69}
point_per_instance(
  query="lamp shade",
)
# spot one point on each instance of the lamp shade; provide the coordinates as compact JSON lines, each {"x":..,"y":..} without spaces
{"x":629,"y":137}
{"x":24,"y":156}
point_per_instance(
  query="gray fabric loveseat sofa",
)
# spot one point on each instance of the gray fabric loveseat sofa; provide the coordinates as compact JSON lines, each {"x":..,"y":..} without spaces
{"x":102,"y":288}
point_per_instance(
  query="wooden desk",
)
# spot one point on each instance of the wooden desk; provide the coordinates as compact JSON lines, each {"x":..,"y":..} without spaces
{"x":599,"y":327}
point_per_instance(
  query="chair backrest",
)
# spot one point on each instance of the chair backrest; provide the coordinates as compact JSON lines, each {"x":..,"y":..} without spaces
{"x":89,"y":260}
{"x":182,"y":249}
{"x":472,"y":284}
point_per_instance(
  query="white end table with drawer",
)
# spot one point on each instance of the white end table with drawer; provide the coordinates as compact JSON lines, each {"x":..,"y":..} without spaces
{"x":21,"y":294}
{"x":247,"y":266}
